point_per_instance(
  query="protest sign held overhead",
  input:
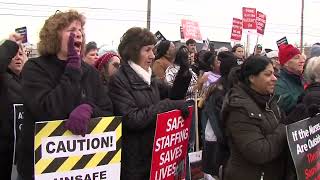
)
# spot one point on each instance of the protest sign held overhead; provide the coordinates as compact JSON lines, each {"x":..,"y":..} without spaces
{"x":249,"y":18}
{"x":159,"y":36}
{"x":281,"y":41}
{"x":261,"y":22}
{"x":170,"y":146}
{"x":304,"y":143}
{"x":236,"y":32}
{"x":190,"y":30}
{"x":61,"y":155}
{"x":23,"y":32}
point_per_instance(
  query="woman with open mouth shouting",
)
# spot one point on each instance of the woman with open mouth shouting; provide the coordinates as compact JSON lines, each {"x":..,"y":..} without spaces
{"x":58,"y":85}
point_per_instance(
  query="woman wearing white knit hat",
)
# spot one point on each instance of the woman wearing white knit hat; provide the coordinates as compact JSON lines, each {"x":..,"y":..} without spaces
{"x":273,"y":55}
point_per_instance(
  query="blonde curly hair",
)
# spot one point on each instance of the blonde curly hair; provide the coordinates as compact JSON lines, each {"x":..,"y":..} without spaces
{"x":50,"y":39}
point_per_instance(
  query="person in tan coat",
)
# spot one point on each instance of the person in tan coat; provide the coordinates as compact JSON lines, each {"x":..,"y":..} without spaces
{"x":164,"y":58}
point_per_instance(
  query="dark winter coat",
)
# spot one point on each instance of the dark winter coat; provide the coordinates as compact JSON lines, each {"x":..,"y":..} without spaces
{"x":309,"y":104}
{"x":312,"y":94}
{"x":14,"y":96}
{"x":214,"y":153}
{"x":7,"y":51}
{"x":51,"y":91}
{"x":256,"y":138}
{"x":139,"y":104}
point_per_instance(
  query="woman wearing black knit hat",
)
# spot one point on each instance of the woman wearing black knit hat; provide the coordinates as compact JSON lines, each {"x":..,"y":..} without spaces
{"x":164,"y":58}
{"x":91,"y":53}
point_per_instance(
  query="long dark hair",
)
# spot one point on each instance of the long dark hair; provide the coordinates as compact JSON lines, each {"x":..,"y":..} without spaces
{"x":207,"y":60}
{"x":230,"y":72}
{"x":182,"y":56}
{"x":253,"y":66}
{"x":162,"y":49}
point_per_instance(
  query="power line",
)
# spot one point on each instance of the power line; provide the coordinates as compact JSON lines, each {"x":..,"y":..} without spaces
{"x":77,"y":7}
{"x":160,"y":22}
{"x":117,"y":9}
{"x":46,"y":11}
{"x":106,"y":19}
{"x":136,"y":20}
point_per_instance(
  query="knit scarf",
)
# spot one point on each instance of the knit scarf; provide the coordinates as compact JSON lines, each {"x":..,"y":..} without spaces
{"x":142,"y":73}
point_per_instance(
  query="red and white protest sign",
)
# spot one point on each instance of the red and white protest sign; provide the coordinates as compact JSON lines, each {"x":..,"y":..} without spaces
{"x":249,"y":18}
{"x":170,"y":147}
{"x":236,"y":32}
{"x":261,"y":22}
{"x":191,"y":30}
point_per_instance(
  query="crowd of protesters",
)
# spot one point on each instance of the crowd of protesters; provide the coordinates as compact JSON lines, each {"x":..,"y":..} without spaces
{"x":244,"y":103}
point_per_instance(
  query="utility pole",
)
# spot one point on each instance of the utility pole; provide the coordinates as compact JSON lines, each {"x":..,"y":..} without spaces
{"x":301,"y":35}
{"x":247,"y":50}
{"x":149,"y":15}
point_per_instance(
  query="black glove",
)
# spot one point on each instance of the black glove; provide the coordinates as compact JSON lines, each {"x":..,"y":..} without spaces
{"x":180,"y":85}
{"x":184,"y":65}
{"x":297,"y":114}
{"x":313,"y":110}
{"x":300,"y":98}
{"x":184,"y":110}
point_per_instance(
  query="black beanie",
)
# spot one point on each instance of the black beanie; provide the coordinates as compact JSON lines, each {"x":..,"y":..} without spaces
{"x":90,"y":46}
{"x":228,"y":61}
{"x":162,"y":48}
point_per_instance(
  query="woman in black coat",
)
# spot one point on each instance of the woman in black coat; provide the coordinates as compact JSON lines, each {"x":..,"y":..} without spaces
{"x":8,"y":95}
{"x":309,"y":103}
{"x":256,"y":138}
{"x":139,"y":97}
{"x":58,"y":85}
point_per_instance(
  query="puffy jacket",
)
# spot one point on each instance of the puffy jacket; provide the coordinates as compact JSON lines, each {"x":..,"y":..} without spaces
{"x":289,"y":87}
{"x":51,"y":91}
{"x":256,"y":137}
{"x":139,"y":104}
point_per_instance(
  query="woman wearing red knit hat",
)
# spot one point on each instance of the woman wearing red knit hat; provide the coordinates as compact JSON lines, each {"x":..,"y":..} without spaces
{"x":107,"y":65}
{"x":289,"y":85}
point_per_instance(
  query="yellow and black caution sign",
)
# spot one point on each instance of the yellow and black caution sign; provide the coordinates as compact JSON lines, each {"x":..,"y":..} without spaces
{"x":58,"y":154}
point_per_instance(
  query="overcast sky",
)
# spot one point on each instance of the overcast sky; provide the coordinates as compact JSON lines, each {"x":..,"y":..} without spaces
{"x":107,"y":20}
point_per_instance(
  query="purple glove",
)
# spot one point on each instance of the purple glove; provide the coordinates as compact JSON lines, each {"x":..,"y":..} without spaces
{"x":79,"y":119}
{"x":73,"y":57}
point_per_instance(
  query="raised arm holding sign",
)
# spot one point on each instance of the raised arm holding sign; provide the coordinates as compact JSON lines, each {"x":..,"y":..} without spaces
{"x":170,"y":146}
